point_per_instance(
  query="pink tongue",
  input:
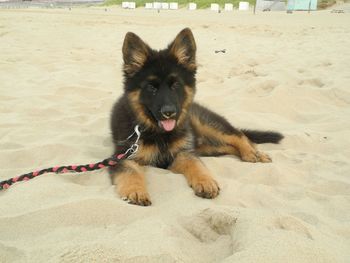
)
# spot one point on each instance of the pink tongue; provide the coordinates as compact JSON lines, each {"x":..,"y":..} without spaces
{"x":168,"y":125}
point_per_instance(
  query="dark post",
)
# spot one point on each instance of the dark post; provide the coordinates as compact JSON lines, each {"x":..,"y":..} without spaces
{"x":309,"y":6}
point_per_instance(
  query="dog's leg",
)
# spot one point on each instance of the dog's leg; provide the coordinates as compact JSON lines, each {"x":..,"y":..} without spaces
{"x":207,"y":149}
{"x":216,"y":136}
{"x":229,"y":144}
{"x":197,"y":175}
{"x":130,"y":183}
{"x":246,"y":149}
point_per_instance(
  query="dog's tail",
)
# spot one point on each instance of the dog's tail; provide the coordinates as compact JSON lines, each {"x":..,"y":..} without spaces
{"x":263,"y":136}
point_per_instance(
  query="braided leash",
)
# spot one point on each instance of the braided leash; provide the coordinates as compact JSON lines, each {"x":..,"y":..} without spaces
{"x":111,"y":161}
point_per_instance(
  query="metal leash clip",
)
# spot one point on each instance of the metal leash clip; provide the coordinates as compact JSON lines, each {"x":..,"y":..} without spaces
{"x":134,"y":147}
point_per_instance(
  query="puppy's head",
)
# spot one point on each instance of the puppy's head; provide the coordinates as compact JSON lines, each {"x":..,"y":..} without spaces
{"x":160,"y":85}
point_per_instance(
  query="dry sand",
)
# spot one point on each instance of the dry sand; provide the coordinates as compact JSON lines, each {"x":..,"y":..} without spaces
{"x":60,"y":73}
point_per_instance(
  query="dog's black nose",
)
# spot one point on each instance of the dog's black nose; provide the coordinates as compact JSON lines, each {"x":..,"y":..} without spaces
{"x":168,"y":111}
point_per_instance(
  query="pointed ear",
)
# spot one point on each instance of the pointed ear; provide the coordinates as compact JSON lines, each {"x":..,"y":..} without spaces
{"x":135,"y":53}
{"x":184,"y":49}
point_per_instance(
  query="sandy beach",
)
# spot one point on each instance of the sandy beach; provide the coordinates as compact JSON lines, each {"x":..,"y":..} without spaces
{"x":60,"y":73}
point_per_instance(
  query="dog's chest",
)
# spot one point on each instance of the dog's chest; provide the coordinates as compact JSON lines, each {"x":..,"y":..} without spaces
{"x":160,"y":151}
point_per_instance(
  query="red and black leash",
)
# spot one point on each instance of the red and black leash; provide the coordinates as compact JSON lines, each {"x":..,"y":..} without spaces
{"x":111,"y":161}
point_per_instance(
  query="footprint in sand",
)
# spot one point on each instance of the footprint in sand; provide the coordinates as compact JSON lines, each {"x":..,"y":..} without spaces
{"x":301,"y":70}
{"x":3,"y":33}
{"x":208,"y":225}
{"x":213,"y":229}
{"x":263,"y":88}
{"x":11,"y":254}
{"x":325,"y":63}
{"x":312,"y":82}
{"x":243,"y":71}
{"x":247,"y":71}
{"x":306,"y":217}
{"x":84,"y":253}
{"x":289,"y":223}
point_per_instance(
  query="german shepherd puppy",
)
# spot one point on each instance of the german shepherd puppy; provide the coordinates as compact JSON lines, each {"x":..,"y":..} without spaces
{"x":159,"y":87}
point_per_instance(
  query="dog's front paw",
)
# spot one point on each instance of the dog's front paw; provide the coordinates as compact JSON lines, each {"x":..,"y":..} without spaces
{"x":136,"y":197}
{"x":205,"y":187}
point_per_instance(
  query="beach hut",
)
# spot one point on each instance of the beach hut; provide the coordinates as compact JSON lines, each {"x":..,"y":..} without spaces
{"x":165,"y":5}
{"x":214,"y":7}
{"x":149,"y":5}
{"x":243,"y":6}
{"x":128,"y":5}
{"x":228,"y":7}
{"x":157,"y":5}
{"x":173,"y":6}
{"x":302,"y":5}
{"x":192,"y":6}
{"x":270,"y":5}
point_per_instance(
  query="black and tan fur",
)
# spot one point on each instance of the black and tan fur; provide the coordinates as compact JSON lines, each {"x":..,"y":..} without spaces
{"x":159,"y":88}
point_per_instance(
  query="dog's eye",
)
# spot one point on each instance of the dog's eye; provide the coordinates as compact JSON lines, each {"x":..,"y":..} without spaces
{"x":151,"y":88}
{"x":175,"y":85}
